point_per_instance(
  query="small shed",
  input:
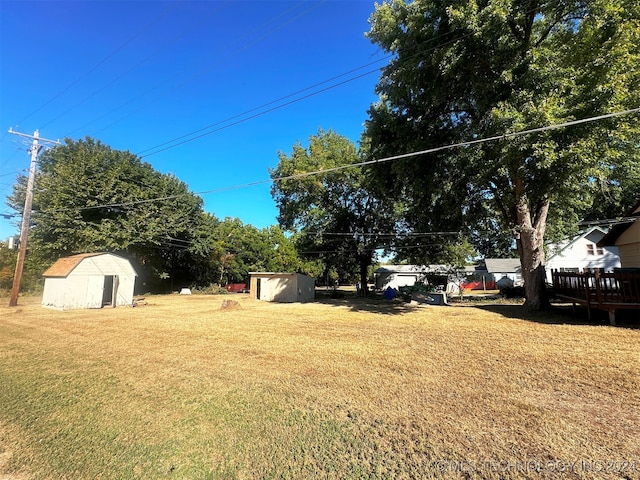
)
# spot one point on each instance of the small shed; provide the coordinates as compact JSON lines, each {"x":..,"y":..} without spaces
{"x":281,"y":287}
{"x":89,"y":280}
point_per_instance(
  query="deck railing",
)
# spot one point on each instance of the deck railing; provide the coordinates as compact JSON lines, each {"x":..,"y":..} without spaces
{"x":596,"y":289}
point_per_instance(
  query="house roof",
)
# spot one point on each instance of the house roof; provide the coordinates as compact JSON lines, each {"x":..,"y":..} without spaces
{"x":412,"y":269}
{"x":502,"y":265}
{"x":271,"y":274}
{"x":64,"y":266}
{"x":632,"y":216}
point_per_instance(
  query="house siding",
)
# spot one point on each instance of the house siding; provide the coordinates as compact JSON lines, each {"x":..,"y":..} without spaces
{"x":629,"y":246}
{"x":630,"y":255}
{"x":582,"y":254}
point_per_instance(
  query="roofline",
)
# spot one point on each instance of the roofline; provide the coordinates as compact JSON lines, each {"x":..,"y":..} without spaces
{"x":278,"y":273}
{"x":80,"y":257}
{"x":576,"y":238}
{"x":617,"y":229}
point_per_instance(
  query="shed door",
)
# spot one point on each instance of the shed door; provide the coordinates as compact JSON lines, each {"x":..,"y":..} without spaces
{"x":258,"y":288}
{"x":89,"y":298}
{"x":107,"y":292}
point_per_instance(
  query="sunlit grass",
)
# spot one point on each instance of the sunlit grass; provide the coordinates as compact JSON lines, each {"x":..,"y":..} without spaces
{"x":180,"y":388}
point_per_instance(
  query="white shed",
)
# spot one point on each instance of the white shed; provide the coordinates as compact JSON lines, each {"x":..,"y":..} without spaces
{"x":89,"y":280}
{"x":281,"y":287}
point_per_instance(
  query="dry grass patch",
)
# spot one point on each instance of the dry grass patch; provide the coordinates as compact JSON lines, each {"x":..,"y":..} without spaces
{"x":181,"y":388}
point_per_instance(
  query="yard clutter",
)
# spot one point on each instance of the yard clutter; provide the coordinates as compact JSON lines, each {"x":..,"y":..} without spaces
{"x":417,"y":294}
{"x":433,"y":298}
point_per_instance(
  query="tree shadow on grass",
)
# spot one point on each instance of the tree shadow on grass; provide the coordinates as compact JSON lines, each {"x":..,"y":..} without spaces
{"x":564,"y":314}
{"x":373,"y":302}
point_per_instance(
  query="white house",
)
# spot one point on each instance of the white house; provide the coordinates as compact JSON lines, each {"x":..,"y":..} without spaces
{"x":582,"y":253}
{"x":281,"y":287}
{"x":89,"y":280}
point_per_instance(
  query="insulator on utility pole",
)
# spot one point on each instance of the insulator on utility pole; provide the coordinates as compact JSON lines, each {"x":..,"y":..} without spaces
{"x":26,"y":215}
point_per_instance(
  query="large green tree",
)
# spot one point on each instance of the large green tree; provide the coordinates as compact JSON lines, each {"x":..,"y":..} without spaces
{"x":336,"y":218}
{"x":90,"y":197}
{"x":463,"y":71}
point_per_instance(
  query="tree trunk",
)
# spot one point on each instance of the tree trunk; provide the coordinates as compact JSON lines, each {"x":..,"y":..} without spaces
{"x":364,"y":263}
{"x":531,"y":225}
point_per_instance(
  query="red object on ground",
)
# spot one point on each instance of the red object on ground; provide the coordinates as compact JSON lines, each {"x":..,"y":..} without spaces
{"x":491,"y":285}
{"x":235,"y":287}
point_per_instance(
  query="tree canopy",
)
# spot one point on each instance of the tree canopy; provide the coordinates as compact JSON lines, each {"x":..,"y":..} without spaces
{"x":90,"y":197}
{"x":463,"y":71}
{"x":228,"y":250}
{"x":335,"y":215}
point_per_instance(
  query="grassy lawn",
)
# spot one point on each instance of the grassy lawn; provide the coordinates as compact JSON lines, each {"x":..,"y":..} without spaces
{"x":343,"y":388}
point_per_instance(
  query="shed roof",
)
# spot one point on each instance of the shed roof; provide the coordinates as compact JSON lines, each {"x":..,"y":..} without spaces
{"x":64,"y":266}
{"x":272,"y":274}
{"x":418,"y":269}
{"x":502,"y":265}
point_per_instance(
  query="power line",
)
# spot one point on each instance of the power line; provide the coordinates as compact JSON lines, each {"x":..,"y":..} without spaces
{"x":204,"y":70}
{"x":384,"y":234}
{"x":142,"y":153}
{"x":116,"y":79}
{"x":155,"y":149}
{"x":367,"y":162}
{"x":101,"y":62}
{"x":261,"y":113}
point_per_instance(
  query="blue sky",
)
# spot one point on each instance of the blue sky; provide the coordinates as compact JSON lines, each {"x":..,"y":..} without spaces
{"x":137,"y":74}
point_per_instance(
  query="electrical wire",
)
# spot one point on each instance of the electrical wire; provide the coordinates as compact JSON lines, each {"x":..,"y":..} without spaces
{"x":116,"y":79}
{"x":103,"y":61}
{"x":143,"y":153}
{"x":204,"y":70}
{"x":156,"y":149}
{"x":504,"y":136}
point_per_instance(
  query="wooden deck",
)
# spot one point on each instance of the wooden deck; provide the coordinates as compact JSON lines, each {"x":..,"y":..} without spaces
{"x":598,"y":290}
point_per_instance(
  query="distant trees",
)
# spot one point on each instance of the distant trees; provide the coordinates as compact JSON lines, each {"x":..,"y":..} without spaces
{"x":226,"y":251}
{"x":462,"y":71}
{"x":7,"y":266}
{"x":336,"y":218}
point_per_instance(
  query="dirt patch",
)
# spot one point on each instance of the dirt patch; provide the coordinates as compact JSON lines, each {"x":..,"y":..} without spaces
{"x":5,"y":457}
{"x":230,"y":305}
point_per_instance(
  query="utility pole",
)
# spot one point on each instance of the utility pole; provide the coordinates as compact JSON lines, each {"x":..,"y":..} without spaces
{"x":26,"y":215}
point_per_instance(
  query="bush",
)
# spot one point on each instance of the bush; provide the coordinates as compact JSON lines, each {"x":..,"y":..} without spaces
{"x":212,"y":289}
